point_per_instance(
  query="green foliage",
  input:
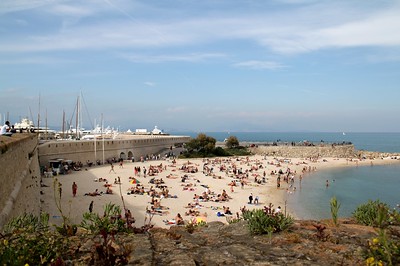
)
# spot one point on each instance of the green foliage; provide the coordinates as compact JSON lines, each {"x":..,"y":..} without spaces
{"x":232,"y":142}
{"x":373,"y":213}
{"x":108,"y":224}
{"x":218,"y":151}
{"x":267,"y":221}
{"x":238,"y":151}
{"x":232,"y":220}
{"x":192,"y":226}
{"x":204,"y":146}
{"x":28,"y":240}
{"x":335,"y":206}
{"x":382,"y":250}
{"x":66,"y":227}
{"x":27,"y":222}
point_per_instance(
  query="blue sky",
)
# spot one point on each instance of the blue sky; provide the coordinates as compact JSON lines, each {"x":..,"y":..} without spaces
{"x":221,"y":65}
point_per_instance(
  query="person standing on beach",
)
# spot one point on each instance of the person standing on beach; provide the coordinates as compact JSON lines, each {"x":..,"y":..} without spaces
{"x":256,"y":200}
{"x":74,"y":189}
{"x":112,"y":169}
{"x":91,"y":207}
{"x":251,"y":198}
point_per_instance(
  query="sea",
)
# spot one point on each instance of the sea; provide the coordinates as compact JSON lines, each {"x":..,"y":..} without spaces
{"x":351,"y":186}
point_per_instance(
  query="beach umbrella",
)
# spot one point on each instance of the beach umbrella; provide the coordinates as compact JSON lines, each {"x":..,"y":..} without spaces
{"x":135,"y":181}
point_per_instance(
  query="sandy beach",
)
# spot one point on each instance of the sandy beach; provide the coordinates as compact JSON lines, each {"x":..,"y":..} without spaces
{"x":211,"y":180}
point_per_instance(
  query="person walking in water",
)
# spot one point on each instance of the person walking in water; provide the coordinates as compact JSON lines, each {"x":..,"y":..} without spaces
{"x":74,"y":189}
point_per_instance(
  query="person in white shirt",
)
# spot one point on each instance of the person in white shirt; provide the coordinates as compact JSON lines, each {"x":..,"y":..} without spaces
{"x":5,"y":130}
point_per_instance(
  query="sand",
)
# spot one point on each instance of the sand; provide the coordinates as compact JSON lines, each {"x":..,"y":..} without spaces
{"x":74,"y":207}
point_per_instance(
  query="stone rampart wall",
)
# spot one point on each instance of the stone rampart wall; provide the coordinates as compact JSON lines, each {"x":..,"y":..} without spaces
{"x":337,"y":151}
{"x":84,"y":150}
{"x":20,"y":176}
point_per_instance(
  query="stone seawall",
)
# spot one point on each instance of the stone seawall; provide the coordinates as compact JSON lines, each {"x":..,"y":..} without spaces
{"x":338,"y":151}
{"x":90,"y":150}
{"x":20,"y":176}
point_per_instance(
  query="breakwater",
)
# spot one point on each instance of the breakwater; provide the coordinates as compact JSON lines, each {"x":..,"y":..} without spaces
{"x":340,"y":151}
{"x":315,"y":151}
{"x":20,"y":176}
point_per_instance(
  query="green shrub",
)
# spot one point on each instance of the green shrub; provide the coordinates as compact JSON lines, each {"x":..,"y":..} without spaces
{"x":267,"y":221}
{"x":373,"y":213}
{"x":28,"y":240}
{"x":335,"y":206}
{"x":382,"y":250}
{"x":28,"y":222}
{"x":107,"y":226}
{"x":109,"y":223}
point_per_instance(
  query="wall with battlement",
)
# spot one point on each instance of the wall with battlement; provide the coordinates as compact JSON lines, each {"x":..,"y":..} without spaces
{"x":337,"y":151}
{"x":90,"y":150}
{"x":20,"y":176}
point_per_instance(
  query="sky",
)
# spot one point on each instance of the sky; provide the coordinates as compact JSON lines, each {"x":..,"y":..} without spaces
{"x":203,"y":66}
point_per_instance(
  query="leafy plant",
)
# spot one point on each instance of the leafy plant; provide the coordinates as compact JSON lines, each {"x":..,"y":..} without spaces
{"x":321,"y":235}
{"x":191,"y":226}
{"x":335,"y":206}
{"x":232,"y":220}
{"x":267,"y":221}
{"x":373,"y":213}
{"x":382,"y":250}
{"x":107,"y":226}
{"x":28,"y":222}
{"x":28,"y":240}
{"x":66,"y":227}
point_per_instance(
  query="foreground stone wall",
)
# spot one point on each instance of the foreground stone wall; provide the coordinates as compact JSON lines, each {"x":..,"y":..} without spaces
{"x":19,"y":176}
{"x":126,"y":148}
{"x":337,"y":151}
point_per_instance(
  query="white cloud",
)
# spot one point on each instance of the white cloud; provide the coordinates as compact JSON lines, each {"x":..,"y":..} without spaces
{"x":178,"y":109}
{"x":301,"y":28}
{"x":35,"y":60}
{"x":8,"y":6}
{"x":149,"y":83}
{"x":198,"y":57}
{"x":253,"y":64}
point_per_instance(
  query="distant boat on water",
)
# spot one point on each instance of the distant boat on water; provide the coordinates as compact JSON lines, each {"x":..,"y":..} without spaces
{"x":344,"y":134}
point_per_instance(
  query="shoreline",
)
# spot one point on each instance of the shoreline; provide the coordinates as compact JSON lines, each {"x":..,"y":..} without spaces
{"x":217,"y":182}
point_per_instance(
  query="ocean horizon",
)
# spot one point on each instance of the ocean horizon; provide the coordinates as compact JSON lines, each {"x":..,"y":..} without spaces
{"x":381,"y":142}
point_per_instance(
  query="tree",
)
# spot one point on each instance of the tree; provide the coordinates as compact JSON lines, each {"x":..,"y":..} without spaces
{"x":232,"y":142}
{"x":202,"y":143}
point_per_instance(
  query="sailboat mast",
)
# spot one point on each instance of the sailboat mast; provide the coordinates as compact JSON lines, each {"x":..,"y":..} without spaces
{"x":77,"y":119}
{"x":102,"y":136}
{"x":38,"y":122}
{"x":95,"y":140}
{"x":46,"y":126}
{"x":63,"y":125}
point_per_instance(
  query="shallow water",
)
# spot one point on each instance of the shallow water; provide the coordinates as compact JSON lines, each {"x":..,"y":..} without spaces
{"x":352,"y":186}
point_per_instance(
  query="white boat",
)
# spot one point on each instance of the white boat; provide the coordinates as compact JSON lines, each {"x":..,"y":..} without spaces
{"x":28,"y":125}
